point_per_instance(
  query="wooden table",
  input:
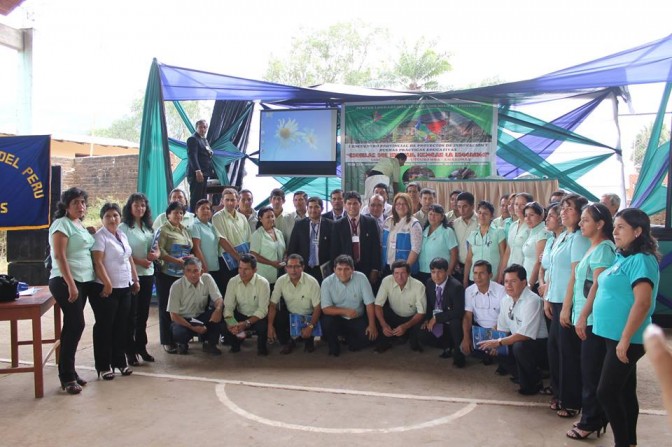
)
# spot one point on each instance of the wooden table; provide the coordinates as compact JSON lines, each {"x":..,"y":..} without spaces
{"x":32,"y":308}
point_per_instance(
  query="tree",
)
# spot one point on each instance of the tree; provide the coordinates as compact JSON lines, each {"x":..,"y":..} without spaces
{"x":343,"y":53}
{"x":642,"y":141}
{"x":128,"y":127}
{"x":418,"y":66}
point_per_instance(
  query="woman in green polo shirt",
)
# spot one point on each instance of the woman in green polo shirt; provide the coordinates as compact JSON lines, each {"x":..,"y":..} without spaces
{"x":175,"y":244}
{"x":137,"y":226}
{"x":626,"y":298}
{"x":71,"y":280}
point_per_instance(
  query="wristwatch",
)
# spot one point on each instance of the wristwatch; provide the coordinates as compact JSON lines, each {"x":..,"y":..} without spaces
{"x":311,"y":325}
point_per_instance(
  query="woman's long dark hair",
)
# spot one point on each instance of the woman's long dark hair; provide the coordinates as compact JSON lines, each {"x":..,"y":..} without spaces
{"x":599,"y":212}
{"x":127,"y":213}
{"x":68,"y":196}
{"x":645,"y":242}
{"x":439,"y":210}
{"x":261,"y":213}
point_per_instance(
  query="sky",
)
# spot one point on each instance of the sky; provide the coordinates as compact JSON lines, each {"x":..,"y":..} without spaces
{"x":92,"y":58}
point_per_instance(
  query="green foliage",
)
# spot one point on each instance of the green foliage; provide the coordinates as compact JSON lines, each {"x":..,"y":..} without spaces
{"x":92,"y":218}
{"x":418,"y":66}
{"x":642,"y":140}
{"x":128,"y":127}
{"x":343,"y":53}
{"x":357,"y":54}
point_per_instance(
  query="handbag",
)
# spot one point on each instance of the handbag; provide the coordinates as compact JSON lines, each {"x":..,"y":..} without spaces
{"x":588,"y":283}
{"x":9,"y":288}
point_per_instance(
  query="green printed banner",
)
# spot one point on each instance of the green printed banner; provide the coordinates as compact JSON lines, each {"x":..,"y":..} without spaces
{"x":441,"y":139}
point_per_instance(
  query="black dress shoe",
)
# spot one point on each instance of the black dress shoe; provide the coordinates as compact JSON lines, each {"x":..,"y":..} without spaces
{"x":145,"y":356}
{"x":263,"y":352}
{"x":446,"y":354}
{"x":459,"y":361}
{"x":170,"y":349}
{"x":182,"y":349}
{"x":234,"y":349}
{"x":211,"y":349}
{"x":382,"y":347}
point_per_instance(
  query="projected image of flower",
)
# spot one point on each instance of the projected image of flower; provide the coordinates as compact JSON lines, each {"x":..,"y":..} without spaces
{"x":310,"y":138}
{"x":287,"y":131}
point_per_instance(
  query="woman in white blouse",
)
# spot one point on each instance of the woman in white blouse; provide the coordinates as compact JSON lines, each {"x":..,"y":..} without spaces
{"x":116,"y":278}
{"x":402,"y":235}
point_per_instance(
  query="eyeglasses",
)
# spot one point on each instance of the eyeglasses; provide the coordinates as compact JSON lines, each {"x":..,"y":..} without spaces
{"x":511,"y":310}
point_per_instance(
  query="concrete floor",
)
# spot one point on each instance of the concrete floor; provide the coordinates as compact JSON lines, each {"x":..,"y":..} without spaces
{"x":397,"y":398}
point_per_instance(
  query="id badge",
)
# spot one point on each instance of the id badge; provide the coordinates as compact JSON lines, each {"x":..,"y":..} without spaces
{"x":355,"y":238}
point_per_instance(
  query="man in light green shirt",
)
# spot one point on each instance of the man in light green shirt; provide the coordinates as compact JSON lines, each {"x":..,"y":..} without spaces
{"x":400,"y":307}
{"x":190,"y":313}
{"x":295,"y":293}
{"x":233,"y":230}
{"x":246,"y":305}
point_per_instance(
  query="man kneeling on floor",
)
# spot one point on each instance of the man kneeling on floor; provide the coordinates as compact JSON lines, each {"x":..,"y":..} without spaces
{"x":347,"y":307}
{"x":296,"y":293}
{"x":400,"y":307}
{"x":246,"y":305}
{"x":445,"y":308}
{"x":188,"y":304}
{"x":522,"y":314}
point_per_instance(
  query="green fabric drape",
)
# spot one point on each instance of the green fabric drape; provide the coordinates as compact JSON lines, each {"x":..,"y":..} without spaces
{"x":224,"y":151}
{"x":574,"y":169}
{"x":516,"y":153}
{"x":313,"y":186}
{"x":650,"y":194}
{"x":154,"y":177}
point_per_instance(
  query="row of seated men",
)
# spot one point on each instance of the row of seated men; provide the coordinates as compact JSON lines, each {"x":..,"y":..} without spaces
{"x":439,"y":313}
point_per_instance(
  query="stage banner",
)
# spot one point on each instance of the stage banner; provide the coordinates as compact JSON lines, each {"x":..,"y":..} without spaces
{"x":25,"y":174}
{"x":452,"y":140}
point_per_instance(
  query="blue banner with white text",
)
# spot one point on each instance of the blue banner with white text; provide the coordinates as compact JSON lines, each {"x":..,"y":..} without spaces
{"x":25,"y":175}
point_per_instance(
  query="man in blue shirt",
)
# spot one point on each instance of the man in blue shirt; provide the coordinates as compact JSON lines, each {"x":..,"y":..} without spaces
{"x":347,"y":307}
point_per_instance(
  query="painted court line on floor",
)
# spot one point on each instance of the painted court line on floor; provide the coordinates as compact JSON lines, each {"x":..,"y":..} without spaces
{"x":221,"y":394}
{"x":340,"y":390}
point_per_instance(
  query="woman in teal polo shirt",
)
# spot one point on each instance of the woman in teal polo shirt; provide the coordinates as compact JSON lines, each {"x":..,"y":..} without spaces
{"x":71,"y":280}
{"x":623,"y":307}
{"x":438,"y":241}
{"x":137,"y":226}
{"x":487,"y":243}
{"x":206,"y":243}
{"x":596,"y":225}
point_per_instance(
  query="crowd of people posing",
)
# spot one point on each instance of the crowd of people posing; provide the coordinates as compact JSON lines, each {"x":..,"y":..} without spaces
{"x":570,"y":284}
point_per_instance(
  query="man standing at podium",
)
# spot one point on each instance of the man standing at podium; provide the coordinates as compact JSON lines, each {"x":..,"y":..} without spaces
{"x":199,"y":167}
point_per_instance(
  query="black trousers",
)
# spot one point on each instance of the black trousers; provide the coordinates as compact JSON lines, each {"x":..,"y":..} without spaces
{"x":530,"y":356}
{"x":281,"y":325}
{"x":353,"y":330}
{"x":73,"y":323}
{"x":163,"y":283}
{"x":197,"y":191}
{"x":617,"y":391}
{"x":395,"y":320}
{"x":138,"y":316}
{"x":110,"y":332}
{"x":570,"y":368}
{"x":593,"y":350}
{"x":554,"y":349}
{"x":260,"y":327}
{"x":182,"y":334}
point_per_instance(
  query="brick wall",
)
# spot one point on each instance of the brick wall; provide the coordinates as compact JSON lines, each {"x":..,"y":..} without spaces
{"x":101,"y":176}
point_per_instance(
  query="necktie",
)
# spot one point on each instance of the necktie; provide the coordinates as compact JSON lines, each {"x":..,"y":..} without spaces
{"x":437,"y":330}
{"x":312,"y":258}
{"x":355,"y":245}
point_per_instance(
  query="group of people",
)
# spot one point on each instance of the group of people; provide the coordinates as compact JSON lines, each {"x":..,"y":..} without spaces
{"x":569,"y":286}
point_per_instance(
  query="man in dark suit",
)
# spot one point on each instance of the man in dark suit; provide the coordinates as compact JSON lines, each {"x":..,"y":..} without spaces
{"x":445,"y":309}
{"x":357,"y":235}
{"x":199,"y":167}
{"x":337,"y":211}
{"x":311,"y":238}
